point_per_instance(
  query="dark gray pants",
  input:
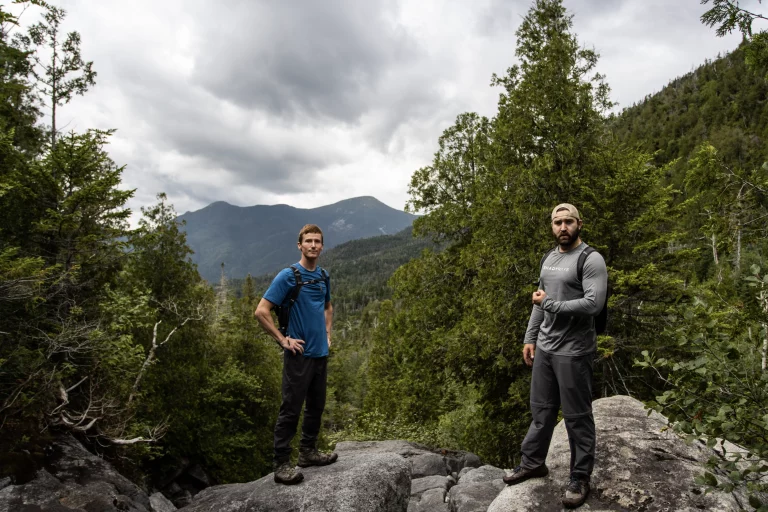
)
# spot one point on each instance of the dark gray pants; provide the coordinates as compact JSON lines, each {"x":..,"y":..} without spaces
{"x":562,"y":380}
{"x":304,"y":380}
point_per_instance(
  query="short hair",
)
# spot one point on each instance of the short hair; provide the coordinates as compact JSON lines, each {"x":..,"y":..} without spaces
{"x":310,"y":228}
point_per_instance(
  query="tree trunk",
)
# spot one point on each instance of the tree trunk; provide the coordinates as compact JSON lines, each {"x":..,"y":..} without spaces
{"x":737,"y":259}
{"x":54,"y":91}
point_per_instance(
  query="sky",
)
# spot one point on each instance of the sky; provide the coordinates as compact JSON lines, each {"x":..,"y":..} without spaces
{"x":308,"y":102}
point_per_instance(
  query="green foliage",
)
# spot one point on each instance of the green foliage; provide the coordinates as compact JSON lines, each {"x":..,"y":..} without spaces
{"x":717,"y":390}
{"x":236,"y":435}
{"x":728,"y":16}
{"x":375,"y":425}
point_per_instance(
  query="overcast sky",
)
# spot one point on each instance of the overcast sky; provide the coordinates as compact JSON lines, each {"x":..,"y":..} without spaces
{"x":310,"y":102}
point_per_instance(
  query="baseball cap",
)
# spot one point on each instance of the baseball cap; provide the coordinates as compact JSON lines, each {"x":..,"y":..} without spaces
{"x":572,"y":211}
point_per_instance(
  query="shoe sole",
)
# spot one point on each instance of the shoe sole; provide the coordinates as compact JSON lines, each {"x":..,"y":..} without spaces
{"x":526,"y":477}
{"x":310,"y":464}
{"x":289,"y":482}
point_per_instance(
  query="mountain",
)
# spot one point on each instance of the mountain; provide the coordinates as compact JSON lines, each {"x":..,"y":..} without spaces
{"x":261,"y":239}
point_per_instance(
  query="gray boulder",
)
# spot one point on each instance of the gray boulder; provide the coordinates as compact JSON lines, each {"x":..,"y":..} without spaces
{"x":640,"y":465}
{"x":428,"y":464}
{"x":75,"y":479}
{"x":432,"y":500}
{"x":160,"y":503}
{"x":360,"y":481}
{"x":419,"y":485}
{"x":482,"y":474}
{"x":458,"y":460}
{"x":476,"y":489}
{"x":424,"y":462}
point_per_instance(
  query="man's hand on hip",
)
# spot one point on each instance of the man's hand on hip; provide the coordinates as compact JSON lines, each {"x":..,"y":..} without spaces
{"x":528,"y":352}
{"x":293,"y":345}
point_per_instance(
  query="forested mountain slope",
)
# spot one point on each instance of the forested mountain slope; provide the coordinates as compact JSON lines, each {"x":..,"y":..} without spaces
{"x":260,"y":239}
{"x":721,"y":101}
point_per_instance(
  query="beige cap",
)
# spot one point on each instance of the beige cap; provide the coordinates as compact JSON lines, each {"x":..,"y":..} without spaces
{"x":572,"y":211}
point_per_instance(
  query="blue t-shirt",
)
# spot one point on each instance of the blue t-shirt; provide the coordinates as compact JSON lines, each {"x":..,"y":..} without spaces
{"x":307,"y":320}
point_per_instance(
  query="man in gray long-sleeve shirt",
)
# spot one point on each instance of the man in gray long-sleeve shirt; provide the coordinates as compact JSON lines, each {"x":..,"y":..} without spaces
{"x":561,"y":333}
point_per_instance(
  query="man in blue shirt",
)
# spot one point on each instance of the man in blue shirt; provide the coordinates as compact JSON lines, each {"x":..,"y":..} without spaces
{"x":305,"y":355}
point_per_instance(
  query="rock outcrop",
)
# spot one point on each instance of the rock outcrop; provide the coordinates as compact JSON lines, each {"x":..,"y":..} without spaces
{"x":357,"y":482}
{"x":368,"y":477}
{"x":74,"y":479}
{"x":640,"y":465}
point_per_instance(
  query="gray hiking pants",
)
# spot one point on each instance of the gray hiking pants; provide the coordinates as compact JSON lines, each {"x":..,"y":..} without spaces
{"x":567,"y":381}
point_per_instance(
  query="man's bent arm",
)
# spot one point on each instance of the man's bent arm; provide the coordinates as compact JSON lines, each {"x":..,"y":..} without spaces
{"x":595,"y":285}
{"x":264,"y":316}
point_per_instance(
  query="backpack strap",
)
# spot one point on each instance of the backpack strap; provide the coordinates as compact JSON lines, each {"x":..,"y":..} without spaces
{"x":299,"y":283}
{"x":297,"y":287}
{"x":582,"y":258}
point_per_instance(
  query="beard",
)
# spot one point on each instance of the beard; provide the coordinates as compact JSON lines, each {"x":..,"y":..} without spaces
{"x":567,"y":240}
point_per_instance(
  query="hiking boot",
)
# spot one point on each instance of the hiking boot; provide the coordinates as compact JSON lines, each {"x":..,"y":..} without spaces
{"x":576,"y":493}
{"x":312,"y":457}
{"x":520,"y":474}
{"x":287,"y":474}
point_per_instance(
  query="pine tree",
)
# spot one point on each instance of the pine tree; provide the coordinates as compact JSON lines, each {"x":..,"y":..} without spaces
{"x":450,"y":348}
{"x":54,"y":82}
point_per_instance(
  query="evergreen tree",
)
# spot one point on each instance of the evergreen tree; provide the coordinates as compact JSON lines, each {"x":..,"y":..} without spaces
{"x":53,"y":80}
{"x":450,"y":348}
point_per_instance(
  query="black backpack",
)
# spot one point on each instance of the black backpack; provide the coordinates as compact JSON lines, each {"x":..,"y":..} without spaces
{"x":601,"y":319}
{"x":283,"y":311}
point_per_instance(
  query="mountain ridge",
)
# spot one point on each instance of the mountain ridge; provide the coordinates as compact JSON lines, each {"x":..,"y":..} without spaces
{"x":261,"y":238}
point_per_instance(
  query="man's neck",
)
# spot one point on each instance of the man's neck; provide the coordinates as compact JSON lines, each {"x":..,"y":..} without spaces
{"x":570,"y":247}
{"x":308,"y":264}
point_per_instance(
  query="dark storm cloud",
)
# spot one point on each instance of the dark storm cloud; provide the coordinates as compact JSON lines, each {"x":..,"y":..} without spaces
{"x":194,"y":124}
{"x":298,"y":58}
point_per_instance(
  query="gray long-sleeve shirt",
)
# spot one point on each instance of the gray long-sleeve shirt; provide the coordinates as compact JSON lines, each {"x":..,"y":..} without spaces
{"x":564,"y":324}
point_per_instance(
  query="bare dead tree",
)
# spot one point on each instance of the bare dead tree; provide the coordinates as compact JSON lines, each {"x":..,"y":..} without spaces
{"x":92,"y":410}
{"x":196,"y":313}
{"x":154,"y":434}
{"x":763,"y":298}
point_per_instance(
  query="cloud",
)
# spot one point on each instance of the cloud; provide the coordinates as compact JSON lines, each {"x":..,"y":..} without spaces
{"x":300,"y":58}
{"x":308,"y":103}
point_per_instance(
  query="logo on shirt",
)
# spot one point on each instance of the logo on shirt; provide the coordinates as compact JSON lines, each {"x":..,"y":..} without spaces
{"x":558,"y":269}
